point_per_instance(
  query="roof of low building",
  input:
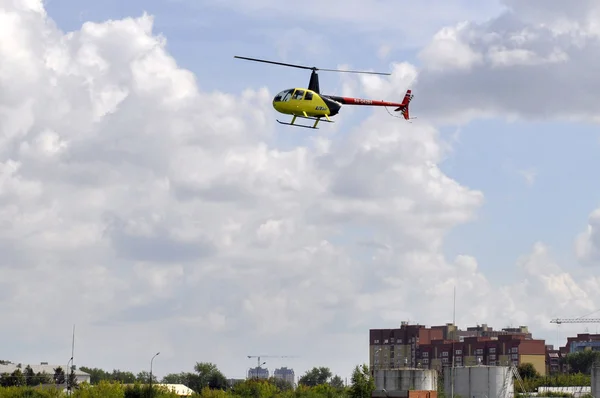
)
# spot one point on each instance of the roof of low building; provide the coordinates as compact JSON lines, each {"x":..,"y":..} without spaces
{"x":49,"y":369}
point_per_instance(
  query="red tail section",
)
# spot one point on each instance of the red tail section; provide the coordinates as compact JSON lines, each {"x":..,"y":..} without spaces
{"x":404,"y":105}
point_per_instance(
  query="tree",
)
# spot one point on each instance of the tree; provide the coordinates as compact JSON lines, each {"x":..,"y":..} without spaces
{"x":281,"y":384}
{"x":363,"y":383}
{"x":581,"y":362}
{"x":59,"y":375}
{"x":208,"y":375}
{"x":315,"y":377}
{"x":123,"y":377}
{"x":144,"y":377}
{"x":30,"y":378}
{"x":96,"y":374}
{"x":528,"y":371}
{"x":337,"y":382}
{"x":72,"y":380}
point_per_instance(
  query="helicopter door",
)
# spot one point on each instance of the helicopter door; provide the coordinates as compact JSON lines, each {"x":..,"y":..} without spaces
{"x":298,"y":95}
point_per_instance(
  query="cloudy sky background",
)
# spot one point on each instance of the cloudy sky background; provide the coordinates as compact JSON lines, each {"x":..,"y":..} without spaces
{"x":149,"y":196}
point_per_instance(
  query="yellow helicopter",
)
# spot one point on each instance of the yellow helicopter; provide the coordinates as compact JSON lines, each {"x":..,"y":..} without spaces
{"x":309,"y":103}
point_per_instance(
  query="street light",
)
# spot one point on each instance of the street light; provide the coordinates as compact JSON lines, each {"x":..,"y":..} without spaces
{"x":151,"y":370}
{"x":68,"y":382}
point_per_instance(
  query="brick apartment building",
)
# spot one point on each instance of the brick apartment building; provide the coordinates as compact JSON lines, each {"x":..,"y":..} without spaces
{"x":434,"y":348}
{"x":396,"y":348}
{"x":501,"y":350}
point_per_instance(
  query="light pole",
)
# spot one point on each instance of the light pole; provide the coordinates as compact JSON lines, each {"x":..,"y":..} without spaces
{"x":151,"y":370}
{"x":68,"y":382}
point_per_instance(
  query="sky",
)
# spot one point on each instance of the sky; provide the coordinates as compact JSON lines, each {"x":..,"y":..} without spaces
{"x":150,"y":198}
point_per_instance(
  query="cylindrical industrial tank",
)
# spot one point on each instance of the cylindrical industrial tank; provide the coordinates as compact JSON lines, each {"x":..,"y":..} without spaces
{"x":595,"y":380}
{"x":480,"y":382}
{"x":406,"y":379}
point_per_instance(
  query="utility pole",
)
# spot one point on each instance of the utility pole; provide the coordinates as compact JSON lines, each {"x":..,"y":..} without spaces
{"x":151,"y":372}
{"x":453,"y":339}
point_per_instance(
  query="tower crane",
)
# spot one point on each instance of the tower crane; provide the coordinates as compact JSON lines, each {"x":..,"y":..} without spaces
{"x":258,"y":357}
{"x":558,"y":321}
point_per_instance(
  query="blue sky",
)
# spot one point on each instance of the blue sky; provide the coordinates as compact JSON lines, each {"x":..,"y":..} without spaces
{"x":292,"y":230}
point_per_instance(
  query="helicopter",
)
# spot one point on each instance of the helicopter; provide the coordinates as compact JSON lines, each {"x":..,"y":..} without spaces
{"x":309,"y":103}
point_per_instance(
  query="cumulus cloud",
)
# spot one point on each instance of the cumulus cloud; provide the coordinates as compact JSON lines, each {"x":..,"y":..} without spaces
{"x":536,"y":60}
{"x":159,"y":217}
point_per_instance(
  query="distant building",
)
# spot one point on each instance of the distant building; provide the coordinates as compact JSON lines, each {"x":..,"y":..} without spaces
{"x":582,"y":342}
{"x":395,"y":348}
{"x":44,"y":367}
{"x":258,"y":373}
{"x":503,"y":350}
{"x":403,"y":347}
{"x":286,"y":374}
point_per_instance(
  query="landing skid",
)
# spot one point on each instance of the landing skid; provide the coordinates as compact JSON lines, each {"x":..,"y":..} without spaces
{"x":314,"y":126}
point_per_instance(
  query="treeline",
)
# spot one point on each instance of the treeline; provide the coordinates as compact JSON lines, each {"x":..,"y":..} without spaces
{"x":207,"y":381}
{"x":26,"y":377}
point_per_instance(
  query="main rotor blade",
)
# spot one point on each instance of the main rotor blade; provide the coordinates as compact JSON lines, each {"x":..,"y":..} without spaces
{"x":311,"y":68}
{"x":356,"y":71}
{"x":275,"y":63}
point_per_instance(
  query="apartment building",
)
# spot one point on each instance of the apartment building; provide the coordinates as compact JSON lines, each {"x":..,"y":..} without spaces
{"x":498,"y":350}
{"x":285,"y":374}
{"x":258,"y":373}
{"x":396,"y":348}
{"x":582,"y":342}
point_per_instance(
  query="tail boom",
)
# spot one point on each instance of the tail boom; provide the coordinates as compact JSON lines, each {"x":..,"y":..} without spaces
{"x":400,"y":106}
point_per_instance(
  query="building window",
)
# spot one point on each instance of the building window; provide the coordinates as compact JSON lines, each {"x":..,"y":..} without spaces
{"x":515,"y":356}
{"x":385,"y":341}
{"x":479,"y":351}
{"x":426,"y":360}
{"x":445,"y":353}
{"x":392,"y":340}
{"x":376,"y":341}
{"x":399,"y":341}
{"x":492,"y":357}
{"x":444,"y":360}
{"x":515,"y":349}
{"x":458,"y":352}
{"x":425,"y":355}
{"x":492,"y":350}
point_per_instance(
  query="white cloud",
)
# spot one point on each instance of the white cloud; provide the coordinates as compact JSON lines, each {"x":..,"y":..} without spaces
{"x":534,"y":61}
{"x":158,"y":217}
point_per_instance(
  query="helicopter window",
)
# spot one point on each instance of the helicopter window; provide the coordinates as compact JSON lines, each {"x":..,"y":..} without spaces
{"x":308,"y":96}
{"x":298,"y":94}
{"x":287,"y":95}
{"x":283,"y":96}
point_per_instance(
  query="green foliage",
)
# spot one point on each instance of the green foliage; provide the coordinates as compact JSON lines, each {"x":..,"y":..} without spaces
{"x":582,"y":362}
{"x":208,"y":381}
{"x":528,"y":371}
{"x":363,"y":383}
{"x":559,"y":380}
{"x":316,"y":376}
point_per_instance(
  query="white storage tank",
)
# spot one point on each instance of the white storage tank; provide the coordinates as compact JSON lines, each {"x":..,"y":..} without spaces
{"x":480,"y":382}
{"x":405,"y":379}
{"x":595,"y":380}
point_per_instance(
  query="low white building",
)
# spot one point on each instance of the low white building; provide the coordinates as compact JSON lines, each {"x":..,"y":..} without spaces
{"x":44,"y":367}
{"x":179,"y":389}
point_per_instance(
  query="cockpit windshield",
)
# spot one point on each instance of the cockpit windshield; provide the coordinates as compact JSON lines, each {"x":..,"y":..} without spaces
{"x":285,"y":95}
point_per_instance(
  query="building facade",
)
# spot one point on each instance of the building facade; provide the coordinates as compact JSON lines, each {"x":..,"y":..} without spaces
{"x":502,"y":350}
{"x":438,"y":346}
{"x":397,"y":348}
{"x":258,"y":373}
{"x":285,"y":374}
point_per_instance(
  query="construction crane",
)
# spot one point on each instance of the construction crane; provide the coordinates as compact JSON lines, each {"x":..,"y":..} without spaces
{"x":258,"y":357}
{"x":558,"y":321}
